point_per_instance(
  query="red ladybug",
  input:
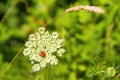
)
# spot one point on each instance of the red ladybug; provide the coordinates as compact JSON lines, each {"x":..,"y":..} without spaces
{"x":42,"y":54}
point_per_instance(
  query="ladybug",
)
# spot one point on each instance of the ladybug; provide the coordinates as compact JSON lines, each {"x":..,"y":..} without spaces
{"x":42,"y":54}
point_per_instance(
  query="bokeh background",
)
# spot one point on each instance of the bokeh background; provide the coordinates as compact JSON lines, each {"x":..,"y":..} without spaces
{"x":92,"y":40}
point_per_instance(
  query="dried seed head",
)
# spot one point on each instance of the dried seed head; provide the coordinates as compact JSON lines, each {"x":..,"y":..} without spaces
{"x":89,"y":8}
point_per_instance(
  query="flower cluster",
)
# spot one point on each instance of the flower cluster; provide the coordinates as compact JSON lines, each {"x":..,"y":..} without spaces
{"x":110,"y":72}
{"x":41,"y":48}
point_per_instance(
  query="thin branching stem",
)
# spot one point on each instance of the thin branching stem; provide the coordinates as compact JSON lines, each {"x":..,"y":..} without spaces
{"x":53,"y":19}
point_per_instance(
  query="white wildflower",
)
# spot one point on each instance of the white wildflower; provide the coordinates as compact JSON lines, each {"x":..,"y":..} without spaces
{"x":61,"y":51}
{"x":41,"y":48}
{"x":54,"y":34}
{"x":53,"y":61}
{"x":41,"y":30}
{"x":26,"y":51}
{"x":32,"y":37}
{"x":36,"y":67}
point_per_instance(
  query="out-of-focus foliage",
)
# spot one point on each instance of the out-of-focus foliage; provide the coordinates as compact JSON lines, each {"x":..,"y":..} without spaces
{"x":92,"y":40}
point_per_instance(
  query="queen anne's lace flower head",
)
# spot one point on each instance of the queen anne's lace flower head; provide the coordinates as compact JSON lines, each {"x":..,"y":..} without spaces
{"x":41,"y":48}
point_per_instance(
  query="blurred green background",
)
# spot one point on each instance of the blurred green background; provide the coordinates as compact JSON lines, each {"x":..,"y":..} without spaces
{"x":92,"y":40}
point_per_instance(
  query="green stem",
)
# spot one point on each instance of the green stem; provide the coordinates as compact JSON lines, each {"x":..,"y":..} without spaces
{"x":49,"y":73}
